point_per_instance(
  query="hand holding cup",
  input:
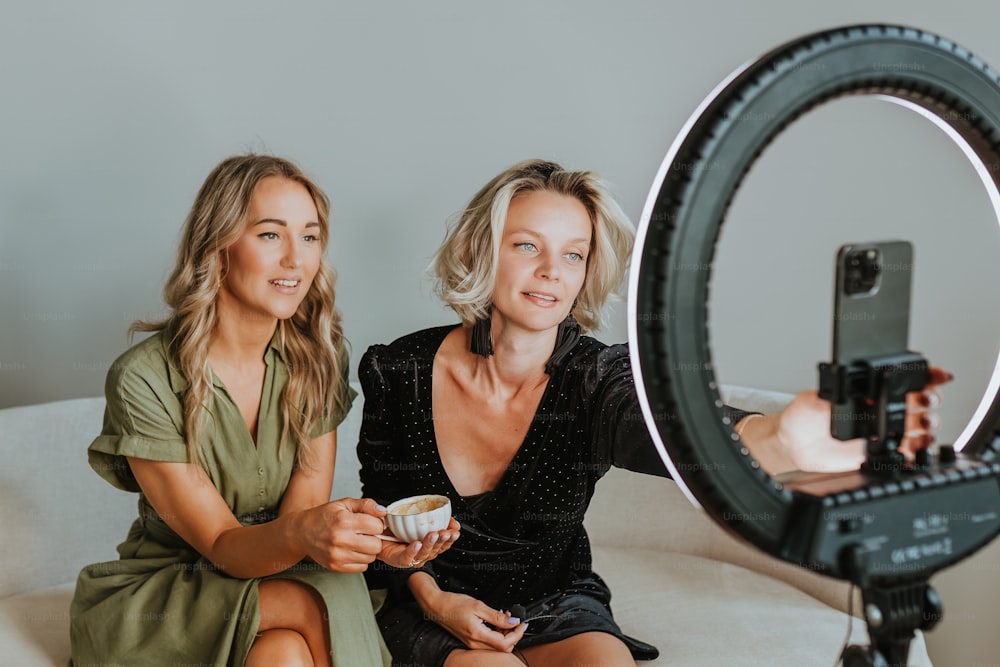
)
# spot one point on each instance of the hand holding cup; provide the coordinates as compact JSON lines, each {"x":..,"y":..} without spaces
{"x":425,"y":523}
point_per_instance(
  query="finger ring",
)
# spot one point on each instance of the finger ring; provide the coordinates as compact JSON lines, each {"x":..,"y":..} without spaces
{"x":414,"y":563}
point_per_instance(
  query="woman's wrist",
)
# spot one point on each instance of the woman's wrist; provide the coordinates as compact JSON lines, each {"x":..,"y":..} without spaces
{"x":425,"y":591}
{"x":294,"y":530}
{"x":761,"y":435}
{"x":742,"y":424}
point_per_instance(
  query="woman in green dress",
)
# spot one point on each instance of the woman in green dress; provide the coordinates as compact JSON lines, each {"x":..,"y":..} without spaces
{"x":224,"y":421}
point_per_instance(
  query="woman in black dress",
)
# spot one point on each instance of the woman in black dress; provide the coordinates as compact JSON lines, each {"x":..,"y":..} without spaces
{"x":515,"y":415}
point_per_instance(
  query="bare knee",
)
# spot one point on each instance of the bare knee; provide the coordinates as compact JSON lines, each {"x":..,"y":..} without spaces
{"x":279,"y":648}
{"x":588,"y":648}
{"x":296,"y":608}
{"x":289,"y":605}
{"x":481,"y":658}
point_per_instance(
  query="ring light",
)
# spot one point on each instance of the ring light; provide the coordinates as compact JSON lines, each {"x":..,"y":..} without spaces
{"x":882,"y":533}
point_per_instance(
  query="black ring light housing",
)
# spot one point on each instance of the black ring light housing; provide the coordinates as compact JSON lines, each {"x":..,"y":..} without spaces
{"x":883,"y":532}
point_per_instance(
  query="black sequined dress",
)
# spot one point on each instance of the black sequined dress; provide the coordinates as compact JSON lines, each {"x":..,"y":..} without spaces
{"x":523,"y":543}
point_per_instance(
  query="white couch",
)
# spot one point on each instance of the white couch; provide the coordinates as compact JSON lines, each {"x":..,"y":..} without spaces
{"x":678,"y":580}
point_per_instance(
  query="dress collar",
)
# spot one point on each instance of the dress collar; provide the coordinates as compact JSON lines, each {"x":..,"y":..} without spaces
{"x":179,"y":383}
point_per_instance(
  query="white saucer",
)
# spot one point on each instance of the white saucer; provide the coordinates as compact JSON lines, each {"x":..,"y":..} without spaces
{"x":390,"y":538}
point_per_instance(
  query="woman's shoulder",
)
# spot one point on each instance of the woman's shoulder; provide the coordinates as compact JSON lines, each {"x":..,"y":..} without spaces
{"x":416,"y":345}
{"x":406,"y":352}
{"x":148,"y":356}
{"x":595,"y":372}
{"x":144,"y":369}
{"x":590,"y":355}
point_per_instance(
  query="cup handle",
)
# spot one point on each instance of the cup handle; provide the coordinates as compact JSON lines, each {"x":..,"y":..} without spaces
{"x":386,"y":533}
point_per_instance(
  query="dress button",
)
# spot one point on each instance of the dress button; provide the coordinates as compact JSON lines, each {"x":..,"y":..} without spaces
{"x":261,"y":492}
{"x":260,"y":471}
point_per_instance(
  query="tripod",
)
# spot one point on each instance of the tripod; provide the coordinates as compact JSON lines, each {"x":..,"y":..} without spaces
{"x":874,"y":394}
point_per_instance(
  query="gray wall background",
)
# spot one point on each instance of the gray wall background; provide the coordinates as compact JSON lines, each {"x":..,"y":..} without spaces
{"x":113,"y":112}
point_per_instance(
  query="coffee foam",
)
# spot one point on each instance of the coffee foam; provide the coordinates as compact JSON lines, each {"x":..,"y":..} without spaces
{"x":419,"y":506}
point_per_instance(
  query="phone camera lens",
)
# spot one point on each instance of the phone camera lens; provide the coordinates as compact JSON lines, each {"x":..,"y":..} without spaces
{"x":863,"y":269}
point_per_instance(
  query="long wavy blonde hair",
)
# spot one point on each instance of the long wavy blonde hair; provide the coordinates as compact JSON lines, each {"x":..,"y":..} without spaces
{"x":465,"y":266}
{"x":310,"y":339}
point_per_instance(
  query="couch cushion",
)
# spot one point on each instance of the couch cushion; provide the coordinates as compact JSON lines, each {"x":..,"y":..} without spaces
{"x":700,"y":611}
{"x":647,"y":512}
{"x":34,"y":628}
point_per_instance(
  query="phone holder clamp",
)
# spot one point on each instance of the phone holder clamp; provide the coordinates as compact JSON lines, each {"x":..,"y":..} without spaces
{"x":873,"y":391}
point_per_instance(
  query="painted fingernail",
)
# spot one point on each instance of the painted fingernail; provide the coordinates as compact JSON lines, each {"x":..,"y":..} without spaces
{"x":513,"y":620}
{"x":433,"y":540}
{"x":419,"y":546}
{"x":380,"y":508}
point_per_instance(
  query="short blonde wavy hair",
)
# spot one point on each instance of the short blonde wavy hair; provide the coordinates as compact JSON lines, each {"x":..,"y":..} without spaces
{"x":465,"y":266}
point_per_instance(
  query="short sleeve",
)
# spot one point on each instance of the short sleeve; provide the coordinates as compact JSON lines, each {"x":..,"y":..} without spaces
{"x":347,"y":396}
{"x":142,"y":418}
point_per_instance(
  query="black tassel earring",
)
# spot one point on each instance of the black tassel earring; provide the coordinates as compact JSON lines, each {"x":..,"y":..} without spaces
{"x":482,"y":339}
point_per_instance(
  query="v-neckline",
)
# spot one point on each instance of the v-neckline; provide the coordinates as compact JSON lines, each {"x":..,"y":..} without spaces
{"x":512,"y":464}
{"x":264,"y":395}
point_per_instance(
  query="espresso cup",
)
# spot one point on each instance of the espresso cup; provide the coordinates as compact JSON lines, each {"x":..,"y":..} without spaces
{"x":411,"y":519}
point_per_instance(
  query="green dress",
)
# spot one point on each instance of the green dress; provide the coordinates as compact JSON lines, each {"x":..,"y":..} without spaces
{"x":162,"y":603}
